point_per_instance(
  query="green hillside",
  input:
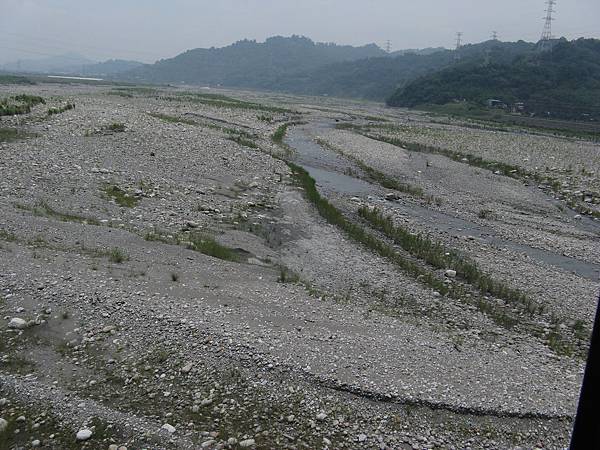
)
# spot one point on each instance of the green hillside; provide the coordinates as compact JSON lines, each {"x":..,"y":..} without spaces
{"x":562,"y":83}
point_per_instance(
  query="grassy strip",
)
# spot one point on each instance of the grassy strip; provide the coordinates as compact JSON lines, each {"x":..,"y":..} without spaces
{"x":172,"y":119}
{"x":62,"y":109}
{"x":43,"y":209}
{"x":495,"y":166}
{"x":198,"y":242}
{"x":280,"y":133}
{"x":380,"y":177}
{"x":222,"y":101}
{"x":438,"y":256}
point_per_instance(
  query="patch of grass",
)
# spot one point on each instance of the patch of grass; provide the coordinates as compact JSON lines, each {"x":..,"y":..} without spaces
{"x":62,"y":109}
{"x":209,"y":246}
{"x":286,"y":276}
{"x":19,"y":104}
{"x":116,"y":255}
{"x":121,"y":197}
{"x":173,"y":119}
{"x":115,"y":127}
{"x":264,"y":118}
{"x":7,"y":236}
{"x":485,"y":214}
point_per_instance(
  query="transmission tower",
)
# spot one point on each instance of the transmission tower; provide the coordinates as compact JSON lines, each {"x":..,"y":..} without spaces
{"x":459,"y":36}
{"x":388,"y":46}
{"x":494,"y":35}
{"x":547,"y":33}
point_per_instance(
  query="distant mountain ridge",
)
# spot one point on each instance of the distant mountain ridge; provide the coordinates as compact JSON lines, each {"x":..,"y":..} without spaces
{"x":249,"y":63}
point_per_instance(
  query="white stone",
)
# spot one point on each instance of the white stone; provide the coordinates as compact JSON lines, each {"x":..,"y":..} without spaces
{"x":451,"y":273}
{"x":248,"y":443}
{"x":3,"y":425}
{"x":170,"y":428}
{"x":84,"y":435}
{"x":17,"y":323}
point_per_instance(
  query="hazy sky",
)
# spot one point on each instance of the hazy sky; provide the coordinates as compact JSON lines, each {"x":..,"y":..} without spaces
{"x":147,"y":30}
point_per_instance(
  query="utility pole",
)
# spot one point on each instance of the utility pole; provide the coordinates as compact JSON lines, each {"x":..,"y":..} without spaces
{"x":547,"y":33}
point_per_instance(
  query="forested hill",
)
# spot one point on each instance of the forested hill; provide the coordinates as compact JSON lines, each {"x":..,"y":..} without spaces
{"x":564,"y":82}
{"x":249,"y":63}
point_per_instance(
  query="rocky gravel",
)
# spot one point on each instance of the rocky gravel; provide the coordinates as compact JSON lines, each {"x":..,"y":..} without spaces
{"x":166,"y":284}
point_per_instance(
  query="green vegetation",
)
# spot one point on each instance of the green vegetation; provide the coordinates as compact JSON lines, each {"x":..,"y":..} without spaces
{"x":13,"y":134}
{"x":243,"y":141}
{"x":173,"y":119}
{"x":485,"y":214}
{"x":13,"y":79}
{"x":359,"y":234}
{"x":439,"y":257}
{"x":208,"y":246}
{"x":62,"y":109}
{"x":286,"y":276}
{"x":115,"y":127}
{"x":121,"y":197}
{"x":223,"y":101}
{"x":199,"y":242}
{"x":116,"y":255}
{"x":495,"y":166}
{"x":7,"y":236}
{"x":19,"y":104}
{"x":43,"y":209}
{"x":380,"y":177}
{"x":280,"y":133}
{"x":562,"y":83}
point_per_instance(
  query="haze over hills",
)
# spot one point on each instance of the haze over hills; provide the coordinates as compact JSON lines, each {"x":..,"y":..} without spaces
{"x":66,"y":62}
{"x":72,"y":64}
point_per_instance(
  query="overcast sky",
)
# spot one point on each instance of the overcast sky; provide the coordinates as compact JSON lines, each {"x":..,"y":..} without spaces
{"x":147,"y":30}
